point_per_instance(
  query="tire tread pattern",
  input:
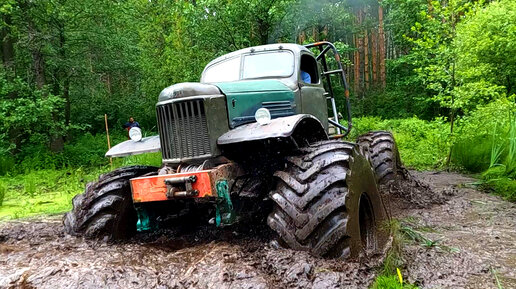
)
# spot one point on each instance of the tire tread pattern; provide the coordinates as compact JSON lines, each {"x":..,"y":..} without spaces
{"x":310,"y":199}
{"x":105,"y":208}
{"x":381,"y":149}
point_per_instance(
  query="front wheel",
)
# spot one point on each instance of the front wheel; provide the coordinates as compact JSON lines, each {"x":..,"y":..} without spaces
{"x":105,"y":209}
{"x":326,"y":202}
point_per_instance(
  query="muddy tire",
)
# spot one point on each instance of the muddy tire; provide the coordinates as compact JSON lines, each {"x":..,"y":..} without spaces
{"x":381,"y":150}
{"x":105,"y":209}
{"x":323,"y":208}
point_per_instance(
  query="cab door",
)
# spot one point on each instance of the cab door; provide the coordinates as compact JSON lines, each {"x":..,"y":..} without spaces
{"x":313,"y":100}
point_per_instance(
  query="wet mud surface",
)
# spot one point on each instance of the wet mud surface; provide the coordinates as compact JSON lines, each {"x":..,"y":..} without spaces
{"x":480,"y":228}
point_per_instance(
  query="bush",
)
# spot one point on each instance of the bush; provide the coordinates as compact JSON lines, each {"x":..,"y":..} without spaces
{"x":7,"y":164}
{"x":3,"y":189}
{"x":422,"y":144}
{"x":501,"y":186}
{"x":482,"y":131}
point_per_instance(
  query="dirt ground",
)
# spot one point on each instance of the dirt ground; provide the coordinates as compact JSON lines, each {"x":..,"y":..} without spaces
{"x":476,"y":236}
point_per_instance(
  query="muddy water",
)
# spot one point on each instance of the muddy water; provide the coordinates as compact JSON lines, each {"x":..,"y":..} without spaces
{"x":37,"y":254}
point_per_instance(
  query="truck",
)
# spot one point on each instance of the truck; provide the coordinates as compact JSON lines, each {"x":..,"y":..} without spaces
{"x":259,"y":135}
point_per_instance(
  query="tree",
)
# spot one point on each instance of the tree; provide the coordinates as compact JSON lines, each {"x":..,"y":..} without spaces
{"x":486,"y":54}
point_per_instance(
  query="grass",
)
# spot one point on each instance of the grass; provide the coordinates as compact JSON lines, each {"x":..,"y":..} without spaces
{"x":498,"y":283}
{"x":43,"y":192}
{"x":499,"y":178}
{"x":391,"y":275}
{"x":404,"y":232}
{"x":422,"y":144}
{"x":391,"y":282}
{"x":48,"y":192}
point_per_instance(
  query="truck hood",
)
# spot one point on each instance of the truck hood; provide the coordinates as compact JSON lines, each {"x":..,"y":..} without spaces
{"x":243,"y":98}
{"x":187,"y":89}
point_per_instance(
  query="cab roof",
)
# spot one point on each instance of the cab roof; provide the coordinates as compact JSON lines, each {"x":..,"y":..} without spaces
{"x":295,"y":48}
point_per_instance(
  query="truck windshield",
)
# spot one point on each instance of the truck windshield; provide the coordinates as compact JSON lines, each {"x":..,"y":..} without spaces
{"x":259,"y":65}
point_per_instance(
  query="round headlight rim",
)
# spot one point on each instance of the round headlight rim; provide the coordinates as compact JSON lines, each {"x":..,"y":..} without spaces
{"x":263,"y":116}
{"x":135,"y":134}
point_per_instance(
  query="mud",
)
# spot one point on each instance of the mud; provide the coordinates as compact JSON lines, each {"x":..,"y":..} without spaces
{"x":479,"y":230}
{"x":37,"y":254}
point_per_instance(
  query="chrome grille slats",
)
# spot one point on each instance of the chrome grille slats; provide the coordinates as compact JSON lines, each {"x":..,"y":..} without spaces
{"x":184,"y":129}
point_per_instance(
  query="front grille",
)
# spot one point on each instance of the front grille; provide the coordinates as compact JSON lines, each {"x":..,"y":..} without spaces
{"x":183,"y":130}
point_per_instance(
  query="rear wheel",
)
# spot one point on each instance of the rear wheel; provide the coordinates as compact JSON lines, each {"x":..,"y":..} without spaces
{"x":326,"y":201}
{"x":381,"y":150}
{"x":105,"y":209}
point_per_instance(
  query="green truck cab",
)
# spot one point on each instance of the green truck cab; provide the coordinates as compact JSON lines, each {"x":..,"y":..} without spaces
{"x":252,"y":137}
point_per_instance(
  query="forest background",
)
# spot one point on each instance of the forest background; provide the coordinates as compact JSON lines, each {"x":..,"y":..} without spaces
{"x":440,"y":74}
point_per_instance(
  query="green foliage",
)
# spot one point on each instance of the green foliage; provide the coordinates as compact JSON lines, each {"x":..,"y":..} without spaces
{"x":482,"y":138}
{"x":394,"y":260}
{"x":28,"y":117}
{"x":422,"y":144}
{"x":7,"y":164}
{"x":43,"y":192}
{"x":499,"y":185}
{"x":3,"y":189}
{"x":390,"y":282}
{"x":394,"y":102}
{"x":500,"y":176}
{"x":486,"y":52}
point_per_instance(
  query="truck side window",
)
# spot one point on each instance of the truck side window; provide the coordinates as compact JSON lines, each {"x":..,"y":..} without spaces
{"x":309,"y":69}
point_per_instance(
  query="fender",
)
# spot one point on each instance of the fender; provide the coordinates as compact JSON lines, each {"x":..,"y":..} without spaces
{"x":277,"y":128}
{"x":129,"y":147}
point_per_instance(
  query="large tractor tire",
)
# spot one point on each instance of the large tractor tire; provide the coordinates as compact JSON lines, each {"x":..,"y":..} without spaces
{"x":326,"y":202}
{"x":105,"y":209}
{"x":381,"y":150}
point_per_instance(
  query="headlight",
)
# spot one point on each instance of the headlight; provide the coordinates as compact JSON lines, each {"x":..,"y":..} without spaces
{"x":135,"y":134}
{"x":262,"y":116}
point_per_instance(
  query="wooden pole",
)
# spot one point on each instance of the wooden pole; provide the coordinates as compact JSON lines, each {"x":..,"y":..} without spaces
{"x":108,"y":141}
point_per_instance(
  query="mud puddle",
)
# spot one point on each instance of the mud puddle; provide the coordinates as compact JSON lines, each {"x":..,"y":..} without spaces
{"x":37,"y":254}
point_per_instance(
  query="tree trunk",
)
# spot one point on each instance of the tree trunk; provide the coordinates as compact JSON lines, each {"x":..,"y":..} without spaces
{"x":38,"y":63}
{"x":381,"y":44}
{"x":7,"y":45}
{"x":315,"y":33}
{"x":374,"y":52}
{"x":302,"y":37}
{"x":366,"y":60}
{"x":356,"y":63}
{"x":325,"y":33}
{"x":65,"y":75}
{"x":360,"y":78}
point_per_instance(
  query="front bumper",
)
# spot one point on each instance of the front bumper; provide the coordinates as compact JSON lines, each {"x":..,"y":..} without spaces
{"x":200,"y":184}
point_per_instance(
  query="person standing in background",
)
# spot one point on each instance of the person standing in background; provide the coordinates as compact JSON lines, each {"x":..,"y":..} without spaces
{"x":130,"y":124}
